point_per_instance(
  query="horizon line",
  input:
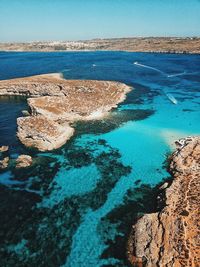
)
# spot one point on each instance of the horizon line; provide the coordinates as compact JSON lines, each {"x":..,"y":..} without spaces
{"x":106,"y":38}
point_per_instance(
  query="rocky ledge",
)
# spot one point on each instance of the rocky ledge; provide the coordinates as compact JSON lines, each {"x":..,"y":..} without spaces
{"x":42,"y":133}
{"x":55,"y":103}
{"x":171,"y":237}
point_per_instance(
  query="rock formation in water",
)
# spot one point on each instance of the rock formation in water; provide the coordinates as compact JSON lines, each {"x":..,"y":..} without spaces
{"x":56,"y":102}
{"x":3,"y":149}
{"x":4,"y":163}
{"x":23,"y":161}
{"x":43,"y":133}
{"x":171,"y":237}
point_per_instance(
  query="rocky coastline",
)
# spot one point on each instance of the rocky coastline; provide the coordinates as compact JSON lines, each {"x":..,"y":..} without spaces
{"x":189,"y":45}
{"x":171,"y":237}
{"x":55,"y":103}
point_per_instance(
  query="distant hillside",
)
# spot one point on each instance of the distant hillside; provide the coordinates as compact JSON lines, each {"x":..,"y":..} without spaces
{"x":150,"y":44}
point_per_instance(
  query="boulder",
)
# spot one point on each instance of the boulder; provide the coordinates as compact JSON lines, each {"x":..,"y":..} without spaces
{"x":23,"y":161}
{"x":3,"y":149}
{"x":26,"y":113}
{"x":4,"y":163}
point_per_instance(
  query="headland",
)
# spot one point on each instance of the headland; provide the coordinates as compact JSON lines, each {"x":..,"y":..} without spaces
{"x":55,"y":103}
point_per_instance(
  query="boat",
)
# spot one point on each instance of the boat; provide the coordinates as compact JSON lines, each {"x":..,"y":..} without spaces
{"x":172,"y":99}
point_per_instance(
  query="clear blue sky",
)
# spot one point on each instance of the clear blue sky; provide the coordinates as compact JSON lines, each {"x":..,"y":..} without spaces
{"x":27,"y":20}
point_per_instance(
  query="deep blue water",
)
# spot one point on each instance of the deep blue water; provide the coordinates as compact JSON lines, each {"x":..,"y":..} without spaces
{"x":75,"y":205}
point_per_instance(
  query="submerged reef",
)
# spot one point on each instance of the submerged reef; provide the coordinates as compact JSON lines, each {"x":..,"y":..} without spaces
{"x":41,"y":232}
{"x":112,"y":121}
{"x":170,"y":237}
{"x":55,"y":103}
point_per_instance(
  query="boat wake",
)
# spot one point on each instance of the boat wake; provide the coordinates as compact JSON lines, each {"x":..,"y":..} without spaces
{"x":162,"y":72}
{"x":183,"y":73}
{"x":148,"y":67}
{"x":177,"y":74}
{"x":169,"y":96}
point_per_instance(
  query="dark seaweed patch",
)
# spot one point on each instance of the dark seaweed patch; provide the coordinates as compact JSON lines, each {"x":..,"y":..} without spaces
{"x":48,"y":232}
{"x":113,"y":121}
{"x":139,"y":93}
{"x":187,"y":110}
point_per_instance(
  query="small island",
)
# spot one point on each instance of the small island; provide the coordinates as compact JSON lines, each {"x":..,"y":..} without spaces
{"x":55,"y":103}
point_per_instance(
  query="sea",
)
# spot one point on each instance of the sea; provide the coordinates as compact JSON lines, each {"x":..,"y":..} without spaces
{"x":75,"y":206}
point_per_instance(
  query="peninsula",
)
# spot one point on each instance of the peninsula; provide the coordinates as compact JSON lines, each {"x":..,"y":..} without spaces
{"x":138,"y":44}
{"x":55,"y":103}
{"x":171,"y":237}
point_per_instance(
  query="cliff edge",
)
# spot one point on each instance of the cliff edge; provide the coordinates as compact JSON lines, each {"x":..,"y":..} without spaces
{"x":171,"y":237}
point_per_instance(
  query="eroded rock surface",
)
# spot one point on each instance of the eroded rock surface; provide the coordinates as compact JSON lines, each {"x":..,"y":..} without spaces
{"x":172,"y":237}
{"x":56,"y":102}
{"x":4,"y":163}
{"x":37,"y":85}
{"x":54,"y":85}
{"x":3,"y":149}
{"x":42,"y":133}
{"x":23,"y":161}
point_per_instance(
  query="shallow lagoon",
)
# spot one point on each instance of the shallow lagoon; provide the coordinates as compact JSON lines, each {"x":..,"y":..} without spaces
{"x":74,"y":206}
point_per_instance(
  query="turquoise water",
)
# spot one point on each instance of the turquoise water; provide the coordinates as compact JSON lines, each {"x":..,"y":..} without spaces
{"x":75,"y":206}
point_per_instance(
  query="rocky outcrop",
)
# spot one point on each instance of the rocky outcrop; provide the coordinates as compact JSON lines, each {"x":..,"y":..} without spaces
{"x":171,"y":237}
{"x":4,"y":163}
{"x":37,"y":85}
{"x":23,"y":161}
{"x":3,"y":149}
{"x":42,"y":133}
{"x":4,"y":158}
{"x":55,"y":103}
{"x":54,"y":85}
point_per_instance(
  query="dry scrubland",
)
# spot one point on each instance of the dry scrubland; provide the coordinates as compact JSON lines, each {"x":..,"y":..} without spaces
{"x":150,"y":44}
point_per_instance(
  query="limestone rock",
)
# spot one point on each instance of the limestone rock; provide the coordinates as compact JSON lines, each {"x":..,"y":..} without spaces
{"x":4,"y":163}
{"x":25,"y":113}
{"x":54,"y":85}
{"x":3,"y":149}
{"x":23,"y":161}
{"x":42,"y":133}
{"x":57,"y":102}
{"x":72,"y":108}
{"x":164,"y":186}
{"x":172,"y":237}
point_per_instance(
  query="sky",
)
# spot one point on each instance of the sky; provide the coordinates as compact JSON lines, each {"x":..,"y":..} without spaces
{"x":35,"y":20}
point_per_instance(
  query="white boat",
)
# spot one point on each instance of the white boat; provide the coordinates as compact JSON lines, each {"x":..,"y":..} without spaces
{"x":172,"y":99}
